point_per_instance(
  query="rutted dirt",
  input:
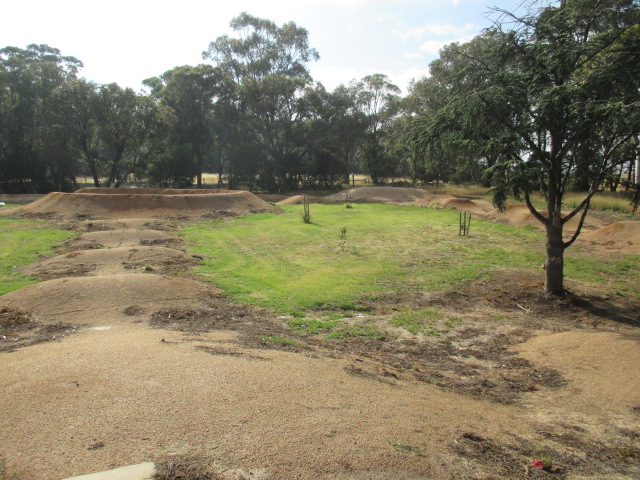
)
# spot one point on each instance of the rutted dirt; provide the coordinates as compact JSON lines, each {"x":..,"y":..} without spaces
{"x":127,"y":365}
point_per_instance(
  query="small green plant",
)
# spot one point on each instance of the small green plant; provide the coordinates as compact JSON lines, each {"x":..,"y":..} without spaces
{"x":306,"y":214}
{"x":280,"y":340}
{"x":406,"y":448}
{"x":342,"y":243}
{"x":148,"y":268}
{"x":465,"y":224}
{"x":348,"y":201}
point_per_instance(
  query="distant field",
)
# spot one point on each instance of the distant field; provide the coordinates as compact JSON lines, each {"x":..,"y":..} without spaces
{"x":279,"y":262}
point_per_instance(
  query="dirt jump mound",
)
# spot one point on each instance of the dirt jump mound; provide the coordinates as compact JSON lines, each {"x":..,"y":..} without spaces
{"x":379,"y":195}
{"x":624,"y":235}
{"x":300,"y":199}
{"x":479,"y":207}
{"x":147,"y":203}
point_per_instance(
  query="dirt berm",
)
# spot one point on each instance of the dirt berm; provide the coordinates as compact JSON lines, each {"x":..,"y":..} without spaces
{"x":147,"y":203}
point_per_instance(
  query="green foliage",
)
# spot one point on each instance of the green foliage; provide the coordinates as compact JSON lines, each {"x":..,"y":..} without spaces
{"x":23,"y":242}
{"x":540,"y":87}
{"x":306,"y":212}
{"x":407,"y":448}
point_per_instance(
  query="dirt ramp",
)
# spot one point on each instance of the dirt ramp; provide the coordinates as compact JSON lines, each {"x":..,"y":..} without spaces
{"x":121,"y":238}
{"x":113,"y":261}
{"x":271,"y":197}
{"x":379,"y":195}
{"x":300,"y":199}
{"x":103,"y":299}
{"x":478,"y":207}
{"x":619,"y":235}
{"x":602,"y":368}
{"x":434,"y":200}
{"x":519,"y":214}
{"x":126,"y":204}
{"x":152,"y":191}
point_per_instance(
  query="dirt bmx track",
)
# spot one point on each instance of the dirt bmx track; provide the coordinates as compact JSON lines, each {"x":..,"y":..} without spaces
{"x":144,"y":366}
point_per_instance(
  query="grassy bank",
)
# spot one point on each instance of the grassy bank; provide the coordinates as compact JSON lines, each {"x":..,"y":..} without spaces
{"x":23,"y":242}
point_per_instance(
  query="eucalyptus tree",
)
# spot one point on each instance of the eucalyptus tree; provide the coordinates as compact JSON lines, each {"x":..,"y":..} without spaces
{"x":379,"y":101}
{"x":557,"y":81}
{"x":76,"y":104}
{"x":126,"y":122}
{"x":191,"y":93}
{"x":28,"y":79}
{"x":448,"y":144}
{"x":267,"y":65}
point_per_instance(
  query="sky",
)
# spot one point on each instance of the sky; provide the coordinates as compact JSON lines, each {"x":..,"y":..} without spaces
{"x":128,"y":41}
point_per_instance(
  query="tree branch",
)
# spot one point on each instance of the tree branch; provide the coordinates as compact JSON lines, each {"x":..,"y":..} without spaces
{"x":579,"y":229}
{"x":532,"y":209}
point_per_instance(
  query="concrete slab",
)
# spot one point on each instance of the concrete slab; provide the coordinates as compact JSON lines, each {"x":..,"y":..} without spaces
{"x":141,"y":471}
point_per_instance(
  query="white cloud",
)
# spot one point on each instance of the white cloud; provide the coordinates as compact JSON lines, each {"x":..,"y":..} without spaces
{"x":414,"y":56}
{"x":434,"y":46}
{"x":444,"y":29}
{"x":438,"y":29}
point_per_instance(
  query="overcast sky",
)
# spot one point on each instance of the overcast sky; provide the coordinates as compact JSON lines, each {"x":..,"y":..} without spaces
{"x":128,"y":41}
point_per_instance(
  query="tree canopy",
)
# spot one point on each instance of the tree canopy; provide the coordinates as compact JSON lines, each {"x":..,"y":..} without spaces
{"x":553,"y":96}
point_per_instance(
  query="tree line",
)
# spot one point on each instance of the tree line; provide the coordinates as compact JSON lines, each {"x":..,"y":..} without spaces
{"x":557,"y":85}
{"x":253,"y":115}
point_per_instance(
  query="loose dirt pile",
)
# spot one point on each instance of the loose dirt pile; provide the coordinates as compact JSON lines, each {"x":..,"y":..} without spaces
{"x":477,"y":207}
{"x":620,"y":235}
{"x":146,"y":203}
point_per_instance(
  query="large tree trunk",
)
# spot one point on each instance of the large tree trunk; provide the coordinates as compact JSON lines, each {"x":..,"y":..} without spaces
{"x":554,"y":264}
{"x":94,"y":173}
{"x":637,"y":141}
{"x":199,"y":162}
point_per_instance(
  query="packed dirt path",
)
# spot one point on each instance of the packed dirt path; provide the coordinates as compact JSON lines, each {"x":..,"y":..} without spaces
{"x":121,"y":385}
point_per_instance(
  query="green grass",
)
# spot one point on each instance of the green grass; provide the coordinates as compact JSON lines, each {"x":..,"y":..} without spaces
{"x":605,"y":201}
{"x":280,"y":340}
{"x":427,"y":322}
{"x":358,"y":330}
{"x":278,"y":262}
{"x":311,"y":325}
{"x":23,"y":242}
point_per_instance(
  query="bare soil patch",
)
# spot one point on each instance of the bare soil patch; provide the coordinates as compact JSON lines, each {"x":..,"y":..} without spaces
{"x":20,"y":329}
{"x":121,"y":238}
{"x":113,"y":261}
